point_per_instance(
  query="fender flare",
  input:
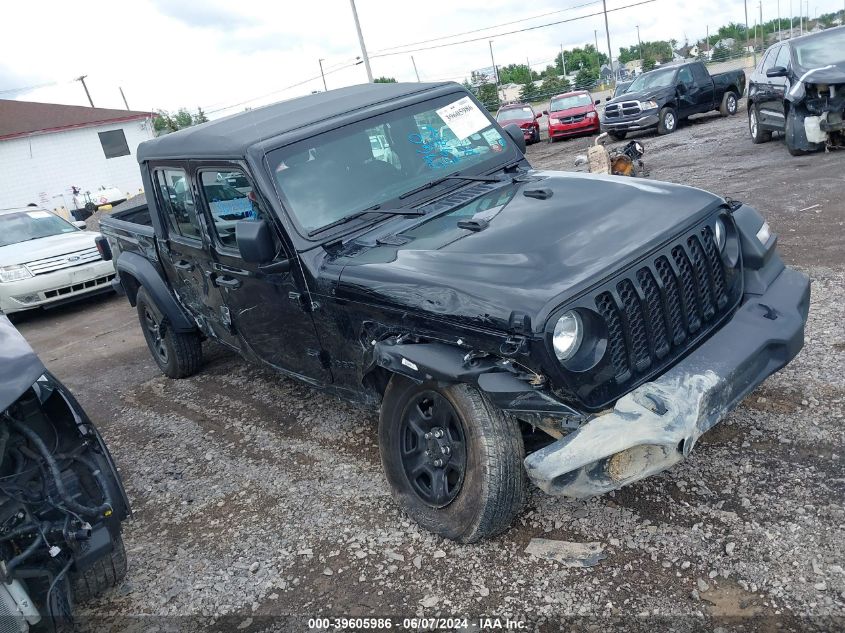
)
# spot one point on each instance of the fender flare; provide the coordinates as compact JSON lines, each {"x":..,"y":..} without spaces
{"x":145,"y":274}
{"x":497,"y":379}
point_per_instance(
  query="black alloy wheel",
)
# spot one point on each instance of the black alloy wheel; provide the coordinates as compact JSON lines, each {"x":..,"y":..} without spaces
{"x":154,"y":335}
{"x":432,"y":448}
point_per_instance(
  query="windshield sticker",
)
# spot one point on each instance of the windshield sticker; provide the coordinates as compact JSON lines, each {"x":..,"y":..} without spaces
{"x":38,"y":214}
{"x":436,"y":151}
{"x":463,"y":117}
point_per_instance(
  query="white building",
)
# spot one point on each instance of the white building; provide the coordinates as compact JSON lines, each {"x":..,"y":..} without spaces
{"x":47,"y":148}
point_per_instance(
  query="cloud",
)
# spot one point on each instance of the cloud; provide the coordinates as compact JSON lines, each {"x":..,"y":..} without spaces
{"x":203,"y":15}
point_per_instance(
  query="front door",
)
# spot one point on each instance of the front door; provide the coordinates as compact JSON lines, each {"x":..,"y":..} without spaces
{"x":269,"y":312}
{"x":688,"y":95}
{"x":706,"y":91}
{"x":186,"y":258}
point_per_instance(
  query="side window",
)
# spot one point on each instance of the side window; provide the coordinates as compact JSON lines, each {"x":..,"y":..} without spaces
{"x":700,"y":74}
{"x":769,"y":60}
{"x":230,"y":198}
{"x":685,"y":76}
{"x":178,"y":202}
{"x":783,"y":57}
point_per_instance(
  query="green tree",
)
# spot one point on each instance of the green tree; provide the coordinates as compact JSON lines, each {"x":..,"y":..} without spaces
{"x":488,"y":95}
{"x":581,"y":58}
{"x":529,"y":92}
{"x":200,"y":117}
{"x":514,"y":74}
{"x":586,"y":77}
{"x":166,"y":122}
{"x":648,"y":64}
{"x":720,"y":53}
{"x":552,"y":86}
{"x":384,"y":80}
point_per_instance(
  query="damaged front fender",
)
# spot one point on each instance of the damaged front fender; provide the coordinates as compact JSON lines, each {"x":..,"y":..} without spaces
{"x":519,"y":393}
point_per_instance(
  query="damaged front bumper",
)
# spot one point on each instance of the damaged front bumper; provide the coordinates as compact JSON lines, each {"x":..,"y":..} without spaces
{"x":657,"y":424}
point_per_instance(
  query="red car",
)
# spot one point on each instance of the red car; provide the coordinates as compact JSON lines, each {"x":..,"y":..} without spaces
{"x":523,"y":115}
{"x":572,"y":113}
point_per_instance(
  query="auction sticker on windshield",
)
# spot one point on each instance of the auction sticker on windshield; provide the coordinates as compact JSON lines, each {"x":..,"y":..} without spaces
{"x":38,"y":214}
{"x":463,"y":117}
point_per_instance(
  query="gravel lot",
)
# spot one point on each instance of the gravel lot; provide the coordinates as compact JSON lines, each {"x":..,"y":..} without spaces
{"x":257,"y":496}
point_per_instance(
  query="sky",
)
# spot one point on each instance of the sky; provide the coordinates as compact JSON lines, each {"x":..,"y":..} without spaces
{"x":224,"y":56}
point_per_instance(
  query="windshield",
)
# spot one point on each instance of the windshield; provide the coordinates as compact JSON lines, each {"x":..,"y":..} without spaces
{"x":31,"y":225}
{"x":572,"y":101}
{"x":341,"y":173}
{"x":823,"y":49}
{"x":653,"y":79}
{"x":515,"y":114}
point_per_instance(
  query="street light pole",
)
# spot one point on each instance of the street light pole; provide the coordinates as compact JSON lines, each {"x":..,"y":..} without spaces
{"x":639,"y":43}
{"x":361,"y":41}
{"x":415,"y":68}
{"x":495,"y":70}
{"x":748,"y":32}
{"x":563,"y":60}
{"x":609,"y":49}
{"x":323,"y":75}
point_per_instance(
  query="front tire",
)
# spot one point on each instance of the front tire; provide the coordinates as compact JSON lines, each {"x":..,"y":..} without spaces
{"x":729,"y":104}
{"x":104,"y":574}
{"x":178,"y":354}
{"x":618,"y":136}
{"x":667,"y":121}
{"x":453,"y":460}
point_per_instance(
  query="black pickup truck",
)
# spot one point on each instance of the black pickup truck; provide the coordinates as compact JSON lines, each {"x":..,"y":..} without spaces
{"x":490,"y":310}
{"x":663,"y":97}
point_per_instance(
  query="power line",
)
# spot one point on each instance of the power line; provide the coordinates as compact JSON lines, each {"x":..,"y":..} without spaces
{"x":487,"y":28}
{"x":527,"y":28}
{"x":29,"y":88}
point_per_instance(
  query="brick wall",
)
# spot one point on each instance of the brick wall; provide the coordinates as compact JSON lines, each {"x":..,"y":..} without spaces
{"x":42,"y":168}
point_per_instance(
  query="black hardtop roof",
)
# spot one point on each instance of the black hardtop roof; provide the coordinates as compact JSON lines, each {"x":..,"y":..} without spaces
{"x":232,"y":135}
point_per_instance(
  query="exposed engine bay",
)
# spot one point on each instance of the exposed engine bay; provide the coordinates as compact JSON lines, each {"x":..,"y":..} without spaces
{"x":61,"y":503}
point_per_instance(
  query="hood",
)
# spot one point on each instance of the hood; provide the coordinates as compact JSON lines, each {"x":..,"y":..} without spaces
{"x":19,"y":366}
{"x":43,"y":247}
{"x":572,"y":111}
{"x":520,"y":122}
{"x":533,"y":255}
{"x":643,"y":95}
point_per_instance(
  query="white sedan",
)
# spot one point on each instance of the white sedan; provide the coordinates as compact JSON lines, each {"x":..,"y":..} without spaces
{"x":46,"y":260}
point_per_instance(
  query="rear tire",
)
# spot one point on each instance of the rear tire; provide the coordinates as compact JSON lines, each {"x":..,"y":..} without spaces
{"x":729,"y":104}
{"x":481,"y":488}
{"x":618,"y":136}
{"x":758,"y":134}
{"x":104,"y":574}
{"x":178,"y":354}
{"x":667,"y":121}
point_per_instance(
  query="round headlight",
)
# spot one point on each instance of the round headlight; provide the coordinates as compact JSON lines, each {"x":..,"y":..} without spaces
{"x":719,"y":234}
{"x":569,"y":332}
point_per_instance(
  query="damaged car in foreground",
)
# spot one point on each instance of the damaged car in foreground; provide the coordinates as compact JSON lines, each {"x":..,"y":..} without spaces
{"x":61,"y":498}
{"x":798,"y":88}
{"x":591,"y":326}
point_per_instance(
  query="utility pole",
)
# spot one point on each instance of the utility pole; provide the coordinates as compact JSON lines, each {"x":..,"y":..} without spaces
{"x":780,"y":30}
{"x":495,"y":70}
{"x":562,"y":60}
{"x":596,"y":36}
{"x":361,"y":41}
{"x":639,"y":43}
{"x":323,"y":75}
{"x":748,"y":32}
{"x":609,"y":49}
{"x":762,"y":28}
{"x":124,"y":97}
{"x":415,"y":68}
{"x":707,"y":40}
{"x":81,"y":79}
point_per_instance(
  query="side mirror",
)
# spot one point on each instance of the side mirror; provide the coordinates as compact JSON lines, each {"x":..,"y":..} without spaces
{"x":597,"y":102}
{"x":776,"y":71}
{"x":255,"y":242}
{"x":682,"y":88}
{"x":80,"y":224}
{"x":538,"y":115}
{"x":515,"y":132}
{"x":546,"y":112}
{"x":606,"y":99}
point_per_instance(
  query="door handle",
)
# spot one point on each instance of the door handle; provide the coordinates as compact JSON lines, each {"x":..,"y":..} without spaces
{"x":183,"y":265}
{"x":225,"y":282}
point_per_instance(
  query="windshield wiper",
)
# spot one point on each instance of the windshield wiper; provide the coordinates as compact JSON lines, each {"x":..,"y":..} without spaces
{"x":373,"y":209}
{"x":434,"y":183}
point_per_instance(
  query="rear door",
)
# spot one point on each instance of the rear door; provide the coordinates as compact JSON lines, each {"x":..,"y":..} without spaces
{"x":186,"y":259}
{"x":705,"y":93}
{"x":268,"y":313}
{"x":770,"y":116}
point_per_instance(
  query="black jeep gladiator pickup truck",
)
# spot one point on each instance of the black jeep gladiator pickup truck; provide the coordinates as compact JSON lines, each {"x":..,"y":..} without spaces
{"x":661,"y":98}
{"x":490,"y":310}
